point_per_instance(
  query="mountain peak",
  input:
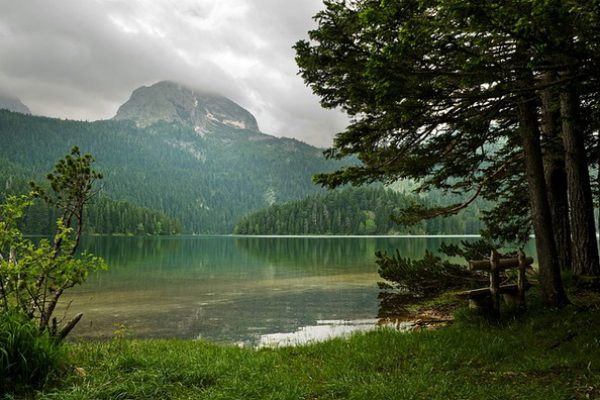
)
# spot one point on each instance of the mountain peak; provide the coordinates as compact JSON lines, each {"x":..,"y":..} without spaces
{"x":173,"y":102}
{"x":12,"y":103}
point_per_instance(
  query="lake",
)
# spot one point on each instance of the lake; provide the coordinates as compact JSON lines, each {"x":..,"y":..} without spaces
{"x":234,"y":289}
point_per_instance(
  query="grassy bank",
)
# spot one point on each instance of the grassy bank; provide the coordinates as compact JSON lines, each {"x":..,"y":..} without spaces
{"x":548,"y":354}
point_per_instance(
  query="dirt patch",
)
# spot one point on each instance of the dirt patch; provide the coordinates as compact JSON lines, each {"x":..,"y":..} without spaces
{"x":412,"y":314}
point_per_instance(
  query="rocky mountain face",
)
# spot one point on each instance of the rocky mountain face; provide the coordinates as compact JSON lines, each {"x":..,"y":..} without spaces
{"x":172,"y":102}
{"x":11,"y":103}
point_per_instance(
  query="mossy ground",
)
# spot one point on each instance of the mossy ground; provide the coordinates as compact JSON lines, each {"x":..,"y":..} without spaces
{"x":541,"y":354}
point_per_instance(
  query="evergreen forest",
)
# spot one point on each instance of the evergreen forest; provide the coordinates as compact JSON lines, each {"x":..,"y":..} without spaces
{"x":352,"y":211}
{"x":162,"y":179}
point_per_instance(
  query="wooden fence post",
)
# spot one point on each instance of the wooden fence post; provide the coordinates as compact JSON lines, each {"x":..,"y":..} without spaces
{"x":522,"y":279}
{"x":495,"y":281}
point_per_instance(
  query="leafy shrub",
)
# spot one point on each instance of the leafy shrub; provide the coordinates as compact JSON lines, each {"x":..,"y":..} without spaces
{"x":426,"y":276}
{"x":476,"y":250}
{"x":28,"y":358}
{"x":34,"y":276}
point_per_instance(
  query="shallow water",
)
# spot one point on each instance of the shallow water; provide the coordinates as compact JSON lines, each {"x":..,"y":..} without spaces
{"x":234,"y":289}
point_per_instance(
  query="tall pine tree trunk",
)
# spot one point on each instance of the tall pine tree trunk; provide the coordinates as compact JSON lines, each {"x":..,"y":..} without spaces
{"x":583,"y":228}
{"x":553,"y":293}
{"x":554,"y":170}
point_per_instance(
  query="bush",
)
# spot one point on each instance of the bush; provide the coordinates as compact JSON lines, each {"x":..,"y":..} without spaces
{"x":34,"y":275}
{"x":431,"y":274}
{"x":28,"y":358}
{"x":419,"y":277}
{"x":477,"y":250}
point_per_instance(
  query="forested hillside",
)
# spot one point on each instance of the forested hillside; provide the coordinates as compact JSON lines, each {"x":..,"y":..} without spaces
{"x":103,"y":215}
{"x":363,"y":211}
{"x":176,"y":159}
{"x":205,"y":180}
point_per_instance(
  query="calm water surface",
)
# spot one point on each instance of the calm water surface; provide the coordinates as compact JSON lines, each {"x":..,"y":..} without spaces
{"x":233,"y":289}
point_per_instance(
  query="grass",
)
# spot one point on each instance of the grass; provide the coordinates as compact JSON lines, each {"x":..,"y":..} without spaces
{"x":543,"y":354}
{"x":28,"y":359}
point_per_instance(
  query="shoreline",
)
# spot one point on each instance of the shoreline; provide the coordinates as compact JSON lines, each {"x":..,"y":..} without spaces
{"x":540,"y":355}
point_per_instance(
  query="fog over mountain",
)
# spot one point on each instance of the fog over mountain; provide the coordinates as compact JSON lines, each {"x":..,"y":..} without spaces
{"x":81,"y":60}
{"x":11,"y":103}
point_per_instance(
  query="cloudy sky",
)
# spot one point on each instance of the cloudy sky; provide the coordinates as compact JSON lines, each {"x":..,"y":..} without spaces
{"x":81,"y":59}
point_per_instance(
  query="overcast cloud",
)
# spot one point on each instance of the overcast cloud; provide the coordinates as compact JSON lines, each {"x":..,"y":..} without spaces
{"x":81,"y":59}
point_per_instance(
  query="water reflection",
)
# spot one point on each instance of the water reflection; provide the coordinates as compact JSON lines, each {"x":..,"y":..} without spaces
{"x":307,"y":251}
{"x":323,"y":330}
{"x":232,"y":289}
{"x":323,"y":250}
